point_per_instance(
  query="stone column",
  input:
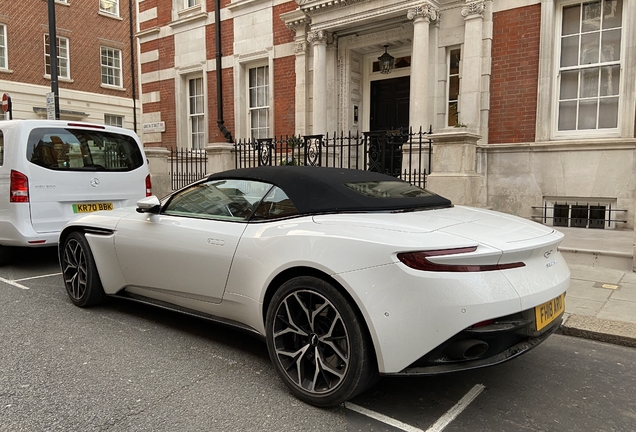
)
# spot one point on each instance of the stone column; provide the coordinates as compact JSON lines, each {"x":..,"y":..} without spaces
{"x":453,"y":173}
{"x":220,"y":157}
{"x":159,"y":167}
{"x":319,"y":41}
{"x":470,"y":90}
{"x":422,"y":16}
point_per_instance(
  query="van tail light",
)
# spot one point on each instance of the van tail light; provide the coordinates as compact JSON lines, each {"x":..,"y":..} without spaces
{"x":419,"y":261}
{"x":148,"y":186}
{"x":19,"y":189}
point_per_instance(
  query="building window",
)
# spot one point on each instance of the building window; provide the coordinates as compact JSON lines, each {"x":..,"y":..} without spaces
{"x":3,"y":47}
{"x":109,"y":6}
{"x":111,"y":66}
{"x":196,"y":115}
{"x":63,"y":62}
{"x":113,"y":120}
{"x":590,"y":66}
{"x":191,"y":3}
{"x":581,"y":213}
{"x":259,"y":102}
{"x":454,"y":56}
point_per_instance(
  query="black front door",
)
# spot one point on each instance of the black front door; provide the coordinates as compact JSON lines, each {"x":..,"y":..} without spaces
{"x":388,"y":124}
{"x":390,"y":104}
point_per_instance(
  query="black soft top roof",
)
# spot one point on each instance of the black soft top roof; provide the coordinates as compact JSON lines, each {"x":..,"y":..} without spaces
{"x":322,"y":190}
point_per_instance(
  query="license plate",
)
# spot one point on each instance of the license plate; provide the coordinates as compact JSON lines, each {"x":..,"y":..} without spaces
{"x":549,"y":311}
{"x":92,"y":207}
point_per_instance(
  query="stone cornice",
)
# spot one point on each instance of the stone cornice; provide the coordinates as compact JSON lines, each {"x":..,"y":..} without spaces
{"x":310,"y":6}
{"x":295,"y":19}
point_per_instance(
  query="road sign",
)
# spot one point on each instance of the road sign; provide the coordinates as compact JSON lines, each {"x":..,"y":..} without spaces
{"x":50,"y":106}
{"x":6,"y":102}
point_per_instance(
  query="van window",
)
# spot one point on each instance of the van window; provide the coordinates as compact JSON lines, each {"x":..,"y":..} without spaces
{"x":69,"y":149}
{"x":1,"y":148}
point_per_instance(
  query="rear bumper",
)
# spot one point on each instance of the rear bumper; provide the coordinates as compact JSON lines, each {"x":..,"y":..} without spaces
{"x":516,"y":336}
{"x":24,"y":235}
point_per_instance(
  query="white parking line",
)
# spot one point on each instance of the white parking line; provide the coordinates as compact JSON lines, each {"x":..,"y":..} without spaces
{"x":452,"y":413}
{"x":439,"y":424}
{"x":14,"y":283}
{"x":38,"y":277}
{"x":382,"y":418}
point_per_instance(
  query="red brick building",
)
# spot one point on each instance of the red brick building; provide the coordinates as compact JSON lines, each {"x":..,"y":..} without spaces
{"x":97,"y":74}
{"x":533,"y":103}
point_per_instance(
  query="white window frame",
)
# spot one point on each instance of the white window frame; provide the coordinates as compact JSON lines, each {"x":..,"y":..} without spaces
{"x":579,"y":98}
{"x":196,"y":103}
{"x":547,"y":97}
{"x":115,"y":71}
{"x":4,"y":50}
{"x":60,"y":59}
{"x":105,"y":10}
{"x":448,"y":80}
{"x":114,"y":120}
{"x":191,"y":3}
{"x":261,"y":103}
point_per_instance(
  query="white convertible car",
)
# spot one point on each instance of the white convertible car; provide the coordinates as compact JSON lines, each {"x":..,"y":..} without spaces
{"x":348,"y":275}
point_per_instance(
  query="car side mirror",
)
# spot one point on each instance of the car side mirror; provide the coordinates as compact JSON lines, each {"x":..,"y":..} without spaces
{"x":149,"y":204}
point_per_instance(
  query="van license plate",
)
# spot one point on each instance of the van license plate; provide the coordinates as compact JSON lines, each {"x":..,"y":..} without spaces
{"x":549,"y":311}
{"x":92,"y":207}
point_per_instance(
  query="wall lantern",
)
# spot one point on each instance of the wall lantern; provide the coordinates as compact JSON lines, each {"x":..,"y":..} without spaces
{"x":387,"y":61}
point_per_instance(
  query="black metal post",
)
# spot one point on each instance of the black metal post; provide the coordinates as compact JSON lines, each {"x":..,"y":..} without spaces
{"x":53,"y":57}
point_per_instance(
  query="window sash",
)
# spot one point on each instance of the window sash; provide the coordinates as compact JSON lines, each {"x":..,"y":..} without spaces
{"x":3,"y":46}
{"x":452,"y":113}
{"x":191,"y":3}
{"x":258,"y":96}
{"x":196,"y":113}
{"x":109,"y":6}
{"x":589,"y":60}
{"x":113,"y":120}
{"x":111,"y":66}
{"x":63,"y":62}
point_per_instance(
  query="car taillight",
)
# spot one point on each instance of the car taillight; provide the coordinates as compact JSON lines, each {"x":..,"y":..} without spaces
{"x":19,"y":189}
{"x":148,"y":186}
{"x":419,"y":261}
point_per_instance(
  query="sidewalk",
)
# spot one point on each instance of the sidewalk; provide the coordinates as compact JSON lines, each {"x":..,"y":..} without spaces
{"x":601,"y":301}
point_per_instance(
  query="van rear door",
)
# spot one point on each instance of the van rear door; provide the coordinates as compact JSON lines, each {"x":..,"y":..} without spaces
{"x":75,"y":170}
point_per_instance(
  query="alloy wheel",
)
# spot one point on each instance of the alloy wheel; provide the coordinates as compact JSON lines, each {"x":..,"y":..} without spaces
{"x":311,"y":342}
{"x":75,"y":268}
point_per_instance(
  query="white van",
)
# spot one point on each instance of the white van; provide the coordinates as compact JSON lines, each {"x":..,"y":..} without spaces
{"x":52,"y":170}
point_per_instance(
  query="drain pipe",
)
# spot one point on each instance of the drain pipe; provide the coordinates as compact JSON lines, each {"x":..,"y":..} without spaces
{"x":219,"y":83}
{"x":132,"y":66}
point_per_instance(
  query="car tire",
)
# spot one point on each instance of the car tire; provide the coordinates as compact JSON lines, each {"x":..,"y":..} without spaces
{"x":81,"y":279}
{"x":318,"y":342}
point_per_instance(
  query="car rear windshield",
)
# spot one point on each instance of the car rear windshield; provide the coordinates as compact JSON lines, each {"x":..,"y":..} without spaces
{"x":69,"y":149}
{"x":388,"y":189}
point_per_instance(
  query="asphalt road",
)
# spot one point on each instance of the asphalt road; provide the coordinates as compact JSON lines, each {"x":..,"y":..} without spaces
{"x":128,"y":367}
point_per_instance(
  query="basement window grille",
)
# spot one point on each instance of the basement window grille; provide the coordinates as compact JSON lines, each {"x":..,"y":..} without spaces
{"x":577,"y":213}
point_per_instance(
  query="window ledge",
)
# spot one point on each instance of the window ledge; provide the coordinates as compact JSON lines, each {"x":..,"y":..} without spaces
{"x":198,"y":15}
{"x":6,"y":71}
{"x":112,"y":87}
{"x":59,"y":78}
{"x":110,"y":15}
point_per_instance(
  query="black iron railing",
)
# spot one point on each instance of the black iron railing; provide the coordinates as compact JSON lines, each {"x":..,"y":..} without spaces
{"x":400,"y":153}
{"x":187,"y":166}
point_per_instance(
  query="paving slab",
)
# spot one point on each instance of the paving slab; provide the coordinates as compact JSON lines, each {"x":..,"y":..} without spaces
{"x":618,"y":310}
{"x":627,"y":292}
{"x":596,"y":274}
{"x":586,"y":290}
